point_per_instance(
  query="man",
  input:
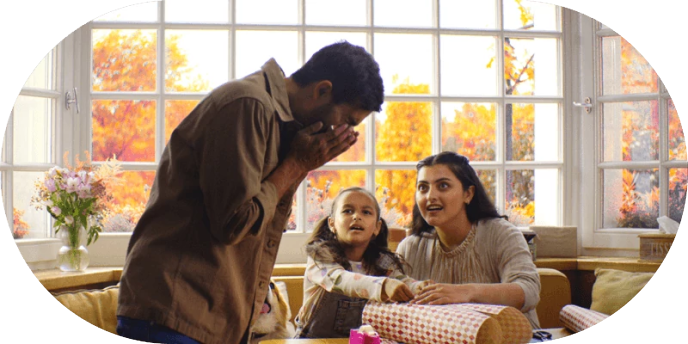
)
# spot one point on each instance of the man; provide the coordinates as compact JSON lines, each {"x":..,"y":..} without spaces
{"x":200,"y":258}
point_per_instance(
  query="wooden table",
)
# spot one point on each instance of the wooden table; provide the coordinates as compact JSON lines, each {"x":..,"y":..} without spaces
{"x":556,"y":334}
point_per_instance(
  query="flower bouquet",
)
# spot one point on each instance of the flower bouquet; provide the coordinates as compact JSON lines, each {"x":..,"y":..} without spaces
{"x":74,"y":196}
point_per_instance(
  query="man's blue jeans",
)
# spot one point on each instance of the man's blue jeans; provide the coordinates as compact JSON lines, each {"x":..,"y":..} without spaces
{"x":148,"y":331}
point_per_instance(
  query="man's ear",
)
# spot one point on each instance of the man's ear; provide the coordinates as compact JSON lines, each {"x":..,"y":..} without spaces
{"x":322,"y":90}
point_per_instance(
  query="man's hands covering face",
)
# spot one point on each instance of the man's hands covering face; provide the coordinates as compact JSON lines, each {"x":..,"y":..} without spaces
{"x":312,"y":147}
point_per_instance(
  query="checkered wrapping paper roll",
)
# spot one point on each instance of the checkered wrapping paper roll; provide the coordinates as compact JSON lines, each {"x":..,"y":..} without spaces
{"x":578,"y":319}
{"x":514,"y":325}
{"x":423,"y":324}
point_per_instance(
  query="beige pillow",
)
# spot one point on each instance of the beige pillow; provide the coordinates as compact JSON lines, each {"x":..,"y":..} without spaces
{"x":614,"y":288}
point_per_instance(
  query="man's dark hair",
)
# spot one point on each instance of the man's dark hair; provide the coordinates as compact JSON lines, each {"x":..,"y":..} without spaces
{"x":354,"y":74}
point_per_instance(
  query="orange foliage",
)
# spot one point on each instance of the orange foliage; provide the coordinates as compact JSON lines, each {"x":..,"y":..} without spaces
{"x":471,"y":132}
{"x":637,"y":75}
{"x":405,"y":135}
{"x":125,"y":60}
{"x":638,"y":209}
{"x":19,"y":227}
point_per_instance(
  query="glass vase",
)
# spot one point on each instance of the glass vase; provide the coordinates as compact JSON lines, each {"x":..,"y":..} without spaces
{"x":73,"y":255}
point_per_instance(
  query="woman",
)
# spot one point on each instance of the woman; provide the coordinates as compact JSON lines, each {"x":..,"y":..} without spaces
{"x":462,"y":243}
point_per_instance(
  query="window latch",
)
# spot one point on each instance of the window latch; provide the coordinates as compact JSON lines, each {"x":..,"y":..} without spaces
{"x":72,"y":98}
{"x":587,"y":104}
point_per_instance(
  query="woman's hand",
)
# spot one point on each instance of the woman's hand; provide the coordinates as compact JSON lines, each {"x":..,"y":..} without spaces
{"x":420,"y":286}
{"x":395,"y":290}
{"x":443,"y":294}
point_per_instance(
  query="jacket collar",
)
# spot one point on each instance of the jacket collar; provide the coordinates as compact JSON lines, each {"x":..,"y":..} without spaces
{"x":274,"y":78}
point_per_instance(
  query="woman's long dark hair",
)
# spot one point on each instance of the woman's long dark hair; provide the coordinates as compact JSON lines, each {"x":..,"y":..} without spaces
{"x":480,"y":206}
{"x":323,"y":245}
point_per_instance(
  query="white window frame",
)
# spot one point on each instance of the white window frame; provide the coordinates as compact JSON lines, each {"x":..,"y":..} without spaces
{"x":41,"y":253}
{"x":110,"y":249}
{"x":597,"y":240}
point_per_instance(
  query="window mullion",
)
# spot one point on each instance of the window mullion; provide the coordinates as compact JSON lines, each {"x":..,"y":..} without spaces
{"x":663,"y":155}
{"x":160,"y":91}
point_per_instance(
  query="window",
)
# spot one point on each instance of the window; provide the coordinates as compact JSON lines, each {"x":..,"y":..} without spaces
{"x":484,"y":80}
{"x":29,"y":148}
{"x":639,"y":170}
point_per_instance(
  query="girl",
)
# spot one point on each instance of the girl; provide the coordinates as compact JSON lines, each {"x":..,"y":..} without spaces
{"x":462,"y":243}
{"x":348,"y":264}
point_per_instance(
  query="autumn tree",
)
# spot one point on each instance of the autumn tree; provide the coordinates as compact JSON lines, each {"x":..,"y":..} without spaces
{"x":125,"y":61}
{"x":405,"y":135}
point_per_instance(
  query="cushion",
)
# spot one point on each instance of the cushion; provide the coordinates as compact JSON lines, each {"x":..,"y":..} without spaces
{"x":98,"y":307}
{"x":614,"y":288}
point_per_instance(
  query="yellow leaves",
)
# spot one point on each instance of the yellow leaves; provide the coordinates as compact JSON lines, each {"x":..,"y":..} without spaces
{"x":526,"y":16}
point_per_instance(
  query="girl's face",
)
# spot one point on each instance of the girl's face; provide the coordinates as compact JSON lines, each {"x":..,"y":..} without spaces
{"x":355,"y":219}
{"x":440,"y":196}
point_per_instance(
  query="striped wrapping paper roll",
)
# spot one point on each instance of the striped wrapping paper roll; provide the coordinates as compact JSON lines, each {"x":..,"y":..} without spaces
{"x":461,"y":323}
{"x":577,"y":318}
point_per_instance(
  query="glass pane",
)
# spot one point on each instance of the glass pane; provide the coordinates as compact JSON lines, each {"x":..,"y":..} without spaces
{"x":526,"y":74}
{"x":678,"y":181}
{"x":677,"y":140}
{"x":489,"y":180}
{"x":403,"y":131}
{"x":403,"y":13}
{"x":395,"y":191}
{"x":42,"y":75}
{"x":624,"y":70}
{"x":28,"y":222}
{"x":631,"y":131}
{"x":529,"y":15}
{"x":196,"y":60}
{"x":469,"y":129}
{"x":129,"y":200}
{"x":468,"y":14}
{"x":520,"y":197}
{"x":321,"y":189}
{"x":124,"y":60}
{"x":532,"y":132}
{"x":317,"y":40}
{"x":175,"y":112}
{"x":291,"y":223}
{"x":546,"y":197}
{"x":281,"y":45}
{"x":124,"y":129}
{"x":336,"y":12}
{"x":356,"y":153}
{"x":405,"y":59}
{"x":144,"y":12}
{"x":468,"y":66}
{"x":255,"y":12}
{"x":631,"y":198}
{"x":198,"y":11}
{"x":32,"y":132}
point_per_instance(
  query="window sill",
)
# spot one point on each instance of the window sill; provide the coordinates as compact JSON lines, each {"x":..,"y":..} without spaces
{"x":56,"y":280}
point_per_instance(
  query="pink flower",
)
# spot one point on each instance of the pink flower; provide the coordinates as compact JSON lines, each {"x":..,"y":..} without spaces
{"x":56,"y":210}
{"x":84,"y":190}
{"x":50,"y":185}
{"x":72,"y":184}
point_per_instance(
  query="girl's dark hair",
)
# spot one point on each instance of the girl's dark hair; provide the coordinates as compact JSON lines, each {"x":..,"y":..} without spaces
{"x":323,"y":245}
{"x":480,"y":206}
